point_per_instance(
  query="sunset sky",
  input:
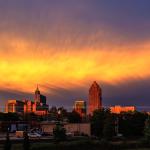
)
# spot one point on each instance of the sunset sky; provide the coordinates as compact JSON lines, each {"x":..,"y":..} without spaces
{"x":64,"y":45}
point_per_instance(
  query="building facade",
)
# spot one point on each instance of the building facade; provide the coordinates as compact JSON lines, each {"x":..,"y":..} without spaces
{"x":118,"y":109}
{"x":39,"y":98}
{"x":38,"y":106}
{"x":28,"y":106}
{"x":73,"y":128}
{"x":14,"y":106}
{"x":80,"y":107}
{"x":95,"y":97}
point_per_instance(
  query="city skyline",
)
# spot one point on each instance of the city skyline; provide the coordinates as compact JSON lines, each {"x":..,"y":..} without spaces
{"x":94,"y":101}
{"x":38,"y":105}
{"x":65,"y":46}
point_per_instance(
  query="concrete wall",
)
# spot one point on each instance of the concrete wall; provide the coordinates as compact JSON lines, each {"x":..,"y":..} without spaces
{"x":48,"y":127}
{"x":70,"y":128}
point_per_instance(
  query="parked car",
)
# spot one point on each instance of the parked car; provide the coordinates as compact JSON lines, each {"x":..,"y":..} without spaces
{"x":34,"y":135}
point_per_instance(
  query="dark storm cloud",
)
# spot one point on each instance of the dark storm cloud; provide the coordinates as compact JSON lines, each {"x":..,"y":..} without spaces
{"x":31,"y":19}
{"x":135,"y":92}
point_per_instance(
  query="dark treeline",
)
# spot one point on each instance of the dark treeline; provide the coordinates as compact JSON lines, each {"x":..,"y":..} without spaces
{"x":103,"y":123}
{"x":128,"y":124}
{"x":54,"y":114}
{"x":105,"y":127}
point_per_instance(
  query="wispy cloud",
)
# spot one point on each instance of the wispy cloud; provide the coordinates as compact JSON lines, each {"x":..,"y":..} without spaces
{"x":64,"y":46}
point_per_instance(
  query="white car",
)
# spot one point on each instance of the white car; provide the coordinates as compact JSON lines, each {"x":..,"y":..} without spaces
{"x":34,"y":135}
{"x":69,"y":134}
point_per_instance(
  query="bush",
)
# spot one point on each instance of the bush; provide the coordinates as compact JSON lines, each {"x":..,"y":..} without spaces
{"x":7,"y":145}
{"x":59,"y":133}
{"x":26,"y":143}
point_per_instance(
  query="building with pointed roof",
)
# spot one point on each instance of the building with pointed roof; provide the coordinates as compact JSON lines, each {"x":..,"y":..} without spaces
{"x":95,"y":97}
{"x":38,"y":106}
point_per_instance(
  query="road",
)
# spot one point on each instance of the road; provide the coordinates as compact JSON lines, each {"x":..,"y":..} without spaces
{"x":16,"y":139}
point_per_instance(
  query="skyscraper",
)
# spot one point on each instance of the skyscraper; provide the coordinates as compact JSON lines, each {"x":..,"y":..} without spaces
{"x":40,"y":107}
{"x":39,"y":98}
{"x":95,"y":97}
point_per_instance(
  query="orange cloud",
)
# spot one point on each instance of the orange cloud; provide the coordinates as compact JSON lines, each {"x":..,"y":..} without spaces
{"x":23,"y":65}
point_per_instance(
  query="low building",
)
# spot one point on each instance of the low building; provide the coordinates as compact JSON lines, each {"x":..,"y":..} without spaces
{"x":80,"y":128}
{"x":118,"y":109}
{"x":14,"y":106}
{"x":80,"y":107}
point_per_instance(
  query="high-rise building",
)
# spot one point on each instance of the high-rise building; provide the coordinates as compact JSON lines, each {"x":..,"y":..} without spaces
{"x":80,"y":107}
{"x":39,"y":98}
{"x":40,"y":107}
{"x":95,"y":97}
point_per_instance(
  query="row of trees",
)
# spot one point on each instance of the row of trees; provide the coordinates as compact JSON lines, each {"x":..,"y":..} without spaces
{"x":103,"y":123}
{"x":55,"y":114}
{"x":106,"y":125}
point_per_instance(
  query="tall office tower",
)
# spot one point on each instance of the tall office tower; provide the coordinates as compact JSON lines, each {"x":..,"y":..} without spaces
{"x":95,"y":97}
{"x":39,"y":98}
{"x":40,"y":107}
